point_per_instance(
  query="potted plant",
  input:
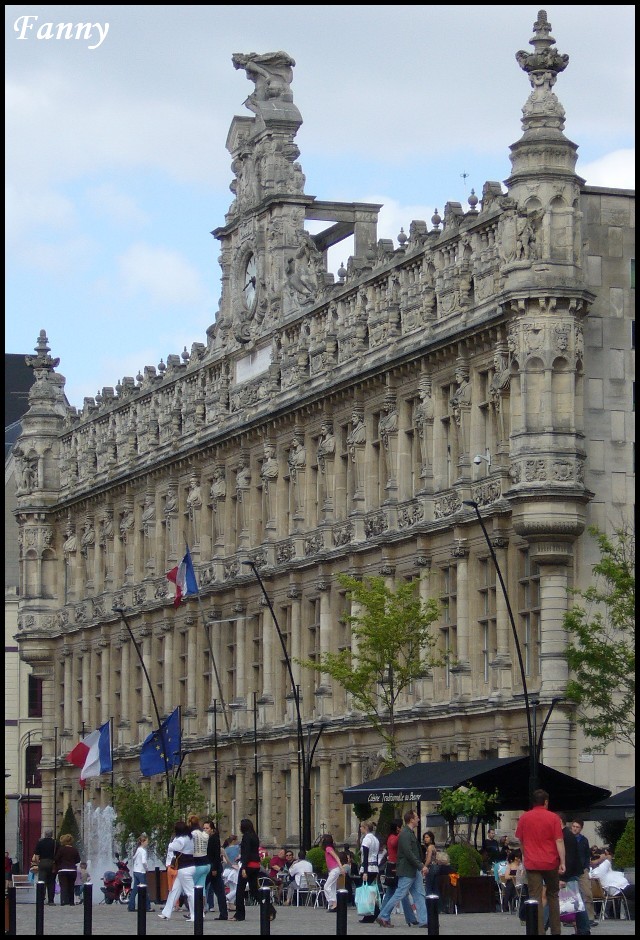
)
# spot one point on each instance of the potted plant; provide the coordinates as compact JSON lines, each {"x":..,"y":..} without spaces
{"x":475,"y":892}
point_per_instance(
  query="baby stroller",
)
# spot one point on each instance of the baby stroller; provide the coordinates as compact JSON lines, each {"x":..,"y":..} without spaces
{"x":117,"y":884}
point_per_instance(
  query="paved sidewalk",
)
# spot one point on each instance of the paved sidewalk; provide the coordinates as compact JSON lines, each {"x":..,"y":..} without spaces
{"x":116,"y":920}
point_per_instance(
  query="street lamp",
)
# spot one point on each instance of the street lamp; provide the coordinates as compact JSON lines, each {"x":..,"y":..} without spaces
{"x":534,"y":705}
{"x":533,"y":751}
{"x":305,"y":756}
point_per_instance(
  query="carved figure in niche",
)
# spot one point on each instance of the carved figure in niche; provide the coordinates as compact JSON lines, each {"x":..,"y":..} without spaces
{"x":126,"y":537}
{"x":325,"y":454}
{"x":194,"y":505}
{"x":299,"y":285}
{"x":498,"y":395}
{"x":356,"y":438}
{"x":269,"y":475}
{"x":87,"y":543}
{"x":70,"y":544}
{"x":297,"y":460}
{"x":171,"y":522}
{"x":460,"y":407}
{"x":387,"y":432}
{"x":148,"y":512}
{"x":27,"y":471}
{"x":243,"y":482}
{"x":423,"y":421}
{"x":525,"y":239}
{"x":218,"y":493}
{"x":272,"y":74}
{"x":106,"y":534}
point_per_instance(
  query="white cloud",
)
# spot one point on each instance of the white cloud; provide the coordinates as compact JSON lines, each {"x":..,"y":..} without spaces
{"x":107,"y":200}
{"x":35,"y":209}
{"x":616,"y":170}
{"x":164,"y":275}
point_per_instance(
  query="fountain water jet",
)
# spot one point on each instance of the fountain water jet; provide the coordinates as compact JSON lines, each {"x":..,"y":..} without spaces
{"x":99,"y":837}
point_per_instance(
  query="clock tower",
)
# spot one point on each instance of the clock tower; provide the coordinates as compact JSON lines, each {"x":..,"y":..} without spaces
{"x":273,"y":270}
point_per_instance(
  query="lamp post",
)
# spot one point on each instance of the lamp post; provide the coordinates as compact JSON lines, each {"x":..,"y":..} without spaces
{"x":534,"y":705}
{"x":305,"y":755}
{"x":533,"y":751}
{"x":255,"y":758}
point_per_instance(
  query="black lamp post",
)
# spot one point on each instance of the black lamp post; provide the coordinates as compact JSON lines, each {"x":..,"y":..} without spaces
{"x":305,"y":755}
{"x":533,"y":750}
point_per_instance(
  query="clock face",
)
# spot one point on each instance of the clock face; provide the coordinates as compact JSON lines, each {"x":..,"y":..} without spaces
{"x":249,"y":281}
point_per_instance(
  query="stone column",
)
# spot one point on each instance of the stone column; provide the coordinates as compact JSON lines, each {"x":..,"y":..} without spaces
{"x":268,"y":630}
{"x":240,"y":692}
{"x":193,"y":668}
{"x":295,"y":594}
{"x":67,"y":723}
{"x":294,"y":796}
{"x":124,"y":726}
{"x":105,"y":672}
{"x":266,"y":821}
{"x":425,"y":685}
{"x":463,"y":665}
{"x":86,"y":683}
{"x":324,"y":809}
{"x":503,"y":662}
{"x":168,"y":702}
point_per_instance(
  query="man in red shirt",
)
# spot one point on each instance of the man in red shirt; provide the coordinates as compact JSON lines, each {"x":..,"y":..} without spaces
{"x":540,"y":835}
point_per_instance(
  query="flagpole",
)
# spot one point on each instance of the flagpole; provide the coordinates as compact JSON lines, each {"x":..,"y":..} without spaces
{"x":120,"y":610}
{"x":111,"y":743}
{"x":213,"y":660}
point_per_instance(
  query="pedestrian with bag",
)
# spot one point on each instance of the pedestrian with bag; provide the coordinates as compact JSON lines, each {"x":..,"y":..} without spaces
{"x":182,"y":848}
{"x":65,"y":865}
{"x":215,"y":882}
{"x":411,"y":871}
{"x":43,"y":857}
{"x":249,"y":870}
{"x":539,"y":832}
{"x":390,"y":876}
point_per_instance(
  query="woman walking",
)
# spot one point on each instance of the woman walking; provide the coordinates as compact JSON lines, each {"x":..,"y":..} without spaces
{"x":249,"y":869}
{"x":429,"y":853}
{"x":200,"y":860}
{"x":370,"y":849}
{"x":334,"y":867}
{"x":182,"y":847}
{"x":139,"y":868}
{"x":66,"y":860}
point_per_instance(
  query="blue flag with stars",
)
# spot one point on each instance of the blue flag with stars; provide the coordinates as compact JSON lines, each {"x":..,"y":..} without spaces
{"x":152,"y":751}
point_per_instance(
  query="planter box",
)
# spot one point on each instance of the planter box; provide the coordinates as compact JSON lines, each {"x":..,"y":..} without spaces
{"x":477,"y":895}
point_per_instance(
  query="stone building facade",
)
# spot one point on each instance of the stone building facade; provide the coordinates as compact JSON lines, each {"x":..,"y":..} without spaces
{"x":330,"y":426}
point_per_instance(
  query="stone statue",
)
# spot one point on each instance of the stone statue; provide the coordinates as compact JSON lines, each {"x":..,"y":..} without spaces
{"x":388,"y":434}
{"x":148,"y":512}
{"x":356,"y":439}
{"x":269,"y":475}
{"x":423,"y":421}
{"x":272,"y":74}
{"x":498,"y":393}
{"x":126,"y":536}
{"x":87,"y":543}
{"x":460,"y":408}
{"x":218,"y":494}
{"x":297,"y":460}
{"x":243,"y":483}
{"x":194,"y":505}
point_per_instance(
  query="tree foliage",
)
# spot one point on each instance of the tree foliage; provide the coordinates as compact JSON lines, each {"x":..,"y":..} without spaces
{"x":601,"y":650}
{"x":140,"y":808}
{"x":69,"y":826}
{"x":392,"y":645}
{"x":625,"y":851}
{"x":470,"y":802}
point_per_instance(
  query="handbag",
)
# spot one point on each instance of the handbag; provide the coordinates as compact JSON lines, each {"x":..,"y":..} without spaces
{"x":173,"y":864}
{"x":571,"y":902}
{"x":390,"y":878}
{"x":367,"y":896}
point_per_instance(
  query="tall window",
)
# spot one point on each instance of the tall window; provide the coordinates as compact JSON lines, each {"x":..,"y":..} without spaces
{"x":487,"y":613}
{"x":35,"y":697}
{"x":448,"y":620}
{"x":32,"y":757}
{"x":529,"y":613}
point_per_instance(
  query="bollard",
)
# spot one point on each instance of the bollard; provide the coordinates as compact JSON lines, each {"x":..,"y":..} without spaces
{"x":265,"y":911}
{"x":341,"y":912}
{"x":432,"y":915}
{"x":87,"y":902}
{"x":40,"y":893}
{"x":531,"y":918}
{"x":141,"y":898}
{"x":10,"y":911}
{"x":157,"y":873}
{"x":198,"y":911}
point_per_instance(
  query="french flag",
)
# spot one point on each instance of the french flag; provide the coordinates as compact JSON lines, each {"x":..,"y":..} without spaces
{"x":184,"y":578}
{"x":93,"y":754}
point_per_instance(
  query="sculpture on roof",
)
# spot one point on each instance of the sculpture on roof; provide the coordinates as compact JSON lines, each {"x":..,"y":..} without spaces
{"x":271,"y":72}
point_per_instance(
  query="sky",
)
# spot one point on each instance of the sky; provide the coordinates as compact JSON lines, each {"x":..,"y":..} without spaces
{"x":117,"y":170}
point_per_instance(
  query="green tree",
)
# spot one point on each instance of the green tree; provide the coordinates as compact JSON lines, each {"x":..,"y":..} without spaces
{"x":69,"y":826}
{"x":625,"y":852}
{"x":476,"y":805}
{"x":391,"y":647}
{"x":601,"y":650}
{"x":140,"y":808}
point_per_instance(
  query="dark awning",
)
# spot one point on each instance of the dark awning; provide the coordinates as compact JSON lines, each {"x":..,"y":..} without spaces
{"x":508,"y":775}
{"x":619,"y":806}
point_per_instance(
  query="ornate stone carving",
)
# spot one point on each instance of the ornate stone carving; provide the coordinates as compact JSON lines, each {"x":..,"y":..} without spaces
{"x":446,"y":505}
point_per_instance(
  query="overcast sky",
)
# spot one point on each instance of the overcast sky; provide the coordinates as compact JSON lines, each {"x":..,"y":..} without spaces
{"x":117,"y":169}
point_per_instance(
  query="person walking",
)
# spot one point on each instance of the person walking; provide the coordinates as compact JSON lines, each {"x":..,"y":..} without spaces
{"x":430,"y":852}
{"x":181,"y":846}
{"x":200,"y":859}
{"x":249,"y":870}
{"x":43,"y":857}
{"x":573,"y":870}
{"x":411,"y":871}
{"x":369,"y":869}
{"x":334,"y":868}
{"x":65,"y":862}
{"x":540,"y":834}
{"x":215,"y":882}
{"x":584,"y":854}
{"x":139,"y":869}
{"x":390,"y":877}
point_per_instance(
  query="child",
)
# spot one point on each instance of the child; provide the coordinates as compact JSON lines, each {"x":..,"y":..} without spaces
{"x":82,"y":878}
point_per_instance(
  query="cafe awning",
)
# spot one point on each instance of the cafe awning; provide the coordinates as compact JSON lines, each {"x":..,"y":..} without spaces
{"x":619,"y":806}
{"x":508,"y":775}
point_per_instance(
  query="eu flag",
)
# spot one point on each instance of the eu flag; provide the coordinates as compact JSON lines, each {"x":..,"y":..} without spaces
{"x":156,"y":746}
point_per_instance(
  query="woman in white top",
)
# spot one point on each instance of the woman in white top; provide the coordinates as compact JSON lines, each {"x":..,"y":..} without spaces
{"x":182,"y":846}
{"x":139,"y":868}
{"x":369,"y":850}
{"x":200,"y":860}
